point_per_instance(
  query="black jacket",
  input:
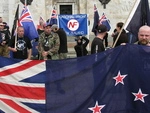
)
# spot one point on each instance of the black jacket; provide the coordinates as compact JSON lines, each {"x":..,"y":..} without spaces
{"x":123,"y":38}
{"x":81,"y":48}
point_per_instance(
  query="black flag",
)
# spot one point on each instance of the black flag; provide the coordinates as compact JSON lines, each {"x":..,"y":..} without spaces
{"x":139,"y":16}
{"x":96,"y":19}
{"x":15,"y":21}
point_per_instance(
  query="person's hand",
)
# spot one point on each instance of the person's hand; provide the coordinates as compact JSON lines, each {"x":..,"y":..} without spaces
{"x":80,"y":37}
{"x":28,"y":58}
{"x":123,"y":43}
{"x":44,"y":53}
{"x":14,"y":49}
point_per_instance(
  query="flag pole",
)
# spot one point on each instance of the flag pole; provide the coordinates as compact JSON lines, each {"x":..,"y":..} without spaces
{"x":16,"y":29}
{"x":25,"y":3}
{"x":16,"y":33}
{"x":124,"y":24}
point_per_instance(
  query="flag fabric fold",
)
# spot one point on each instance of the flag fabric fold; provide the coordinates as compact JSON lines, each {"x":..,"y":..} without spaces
{"x":140,"y":15}
{"x":26,"y":21}
{"x":116,"y":82}
{"x":96,"y":19}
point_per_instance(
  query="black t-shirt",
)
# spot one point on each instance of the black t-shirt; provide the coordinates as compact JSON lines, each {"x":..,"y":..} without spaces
{"x":22,"y":45}
{"x":97,"y":45}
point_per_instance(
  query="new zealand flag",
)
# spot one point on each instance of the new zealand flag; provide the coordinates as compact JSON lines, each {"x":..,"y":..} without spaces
{"x":114,"y":81}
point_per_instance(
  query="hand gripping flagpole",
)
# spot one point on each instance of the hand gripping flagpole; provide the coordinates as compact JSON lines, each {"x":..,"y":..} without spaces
{"x":129,"y":16}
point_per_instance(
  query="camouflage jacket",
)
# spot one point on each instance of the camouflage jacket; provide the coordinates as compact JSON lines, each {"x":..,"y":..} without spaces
{"x":50,"y":44}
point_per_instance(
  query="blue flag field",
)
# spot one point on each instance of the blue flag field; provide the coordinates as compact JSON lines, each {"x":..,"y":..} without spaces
{"x":114,"y":81}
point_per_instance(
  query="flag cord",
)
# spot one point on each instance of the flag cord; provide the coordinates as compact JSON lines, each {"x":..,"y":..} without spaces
{"x":123,"y":26}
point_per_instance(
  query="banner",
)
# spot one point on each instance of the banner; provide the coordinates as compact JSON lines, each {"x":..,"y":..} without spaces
{"x":74,"y":24}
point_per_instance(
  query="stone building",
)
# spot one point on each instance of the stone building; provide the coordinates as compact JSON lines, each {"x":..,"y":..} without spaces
{"x":116,"y":10}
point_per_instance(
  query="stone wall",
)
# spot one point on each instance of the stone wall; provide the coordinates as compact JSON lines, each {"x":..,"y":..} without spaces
{"x":116,"y":10}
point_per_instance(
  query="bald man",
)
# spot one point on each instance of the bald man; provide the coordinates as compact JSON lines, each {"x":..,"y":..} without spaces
{"x":20,"y":46}
{"x":144,"y":35}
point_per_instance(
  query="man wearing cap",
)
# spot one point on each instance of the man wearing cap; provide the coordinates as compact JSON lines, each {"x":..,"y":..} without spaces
{"x":63,"y":49}
{"x":48,"y":44}
{"x":97,"y":43}
{"x":4,"y":39}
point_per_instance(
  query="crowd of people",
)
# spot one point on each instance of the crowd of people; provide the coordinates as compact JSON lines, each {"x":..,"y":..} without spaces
{"x":52,"y":41}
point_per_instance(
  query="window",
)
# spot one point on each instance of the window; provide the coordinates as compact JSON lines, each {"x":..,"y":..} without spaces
{"x":65,"y":9}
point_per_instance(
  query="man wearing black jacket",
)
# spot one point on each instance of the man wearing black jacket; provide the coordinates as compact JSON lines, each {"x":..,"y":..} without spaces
{"x":4,"y":39}
{"x":63,"y":49}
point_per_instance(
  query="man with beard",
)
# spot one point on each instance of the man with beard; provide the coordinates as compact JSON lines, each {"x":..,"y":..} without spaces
{"x":144,"y":35}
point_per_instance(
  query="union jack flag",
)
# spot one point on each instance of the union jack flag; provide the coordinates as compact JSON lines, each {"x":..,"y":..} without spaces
{"x":103,"y":20}
{"x":53,"y":18}
{"x":20,"y":89}
{"x":27,"y":22}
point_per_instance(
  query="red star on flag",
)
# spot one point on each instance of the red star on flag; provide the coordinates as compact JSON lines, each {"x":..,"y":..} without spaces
{"x":119,"y":78}
{"x":139,"y":96}
{"x":97,"y":108}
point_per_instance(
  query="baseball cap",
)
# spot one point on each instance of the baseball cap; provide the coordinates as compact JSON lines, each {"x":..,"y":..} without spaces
{"x":54,"y":26}
{"x":46,"y":24}
{"x":101,"y":28}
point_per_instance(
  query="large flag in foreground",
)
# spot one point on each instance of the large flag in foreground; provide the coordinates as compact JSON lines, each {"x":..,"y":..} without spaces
{"x":15,"y":23}
{"x":140,"y":15}
{"x":96,"y":19}
{"x":114,"y":81}
{"x":27,"y":22}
